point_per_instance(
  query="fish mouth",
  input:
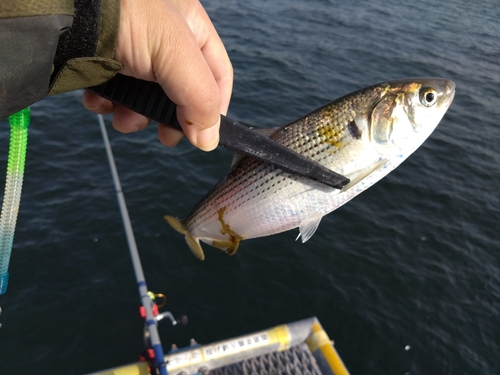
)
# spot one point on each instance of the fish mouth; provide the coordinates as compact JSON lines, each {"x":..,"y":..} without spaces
{"x":446,"y":90}
{"x":449,"y":93}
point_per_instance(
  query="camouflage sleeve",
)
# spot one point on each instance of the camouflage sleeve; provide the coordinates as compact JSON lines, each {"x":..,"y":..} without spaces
{"x":53,"y":46}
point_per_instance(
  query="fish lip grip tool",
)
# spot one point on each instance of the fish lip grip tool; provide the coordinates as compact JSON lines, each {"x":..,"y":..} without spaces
{"x":148,"y":99}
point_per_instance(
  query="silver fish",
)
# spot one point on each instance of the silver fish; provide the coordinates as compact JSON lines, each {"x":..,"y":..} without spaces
{"x":363,"y":136}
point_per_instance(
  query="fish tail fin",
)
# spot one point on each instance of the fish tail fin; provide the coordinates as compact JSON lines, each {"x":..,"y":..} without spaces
{"x":193,"y":243}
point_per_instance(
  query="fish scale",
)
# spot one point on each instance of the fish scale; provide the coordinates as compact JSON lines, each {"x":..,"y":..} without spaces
{"x":363,"y":135}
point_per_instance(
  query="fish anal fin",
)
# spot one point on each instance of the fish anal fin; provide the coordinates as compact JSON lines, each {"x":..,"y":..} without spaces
{"x":232,"y":249}
{"x":228,"y":246}
{"x":308,"y":226}
{"x":221,"y":244}
{"x":193,"y":243}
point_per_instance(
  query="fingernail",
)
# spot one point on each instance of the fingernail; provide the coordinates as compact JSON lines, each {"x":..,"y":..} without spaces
{"x":208,"y":139}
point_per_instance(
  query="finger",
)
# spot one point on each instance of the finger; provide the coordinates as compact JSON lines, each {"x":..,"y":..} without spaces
{"x":213,"y":51}
{"x":97,"y":104}
{"x":212,"y":48}
{"x":169,"y":136}
{"x":187,"y":79}
{"x":217,"y":59}
{"x":127,"y":121}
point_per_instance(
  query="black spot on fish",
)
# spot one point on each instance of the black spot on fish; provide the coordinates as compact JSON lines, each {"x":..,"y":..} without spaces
{"x":354,"y":130}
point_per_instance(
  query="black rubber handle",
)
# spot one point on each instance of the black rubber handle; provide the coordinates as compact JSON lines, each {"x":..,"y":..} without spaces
{"x":149,"y":99}
{"x":144,"y":97}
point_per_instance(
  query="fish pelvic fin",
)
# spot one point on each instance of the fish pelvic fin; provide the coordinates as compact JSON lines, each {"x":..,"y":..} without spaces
{"x":308,"y":226}
{"x":193,"y":243}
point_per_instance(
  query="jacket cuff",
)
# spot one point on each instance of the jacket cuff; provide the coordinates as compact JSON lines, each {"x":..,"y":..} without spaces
{"x":84,"y":56}
{"x":29,"y":8}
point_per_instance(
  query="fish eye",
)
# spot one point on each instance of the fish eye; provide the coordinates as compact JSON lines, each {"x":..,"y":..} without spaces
{"x":428,"y":96}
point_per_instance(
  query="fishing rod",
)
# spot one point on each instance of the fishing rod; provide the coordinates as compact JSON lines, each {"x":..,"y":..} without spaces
{"x":146,"y":300}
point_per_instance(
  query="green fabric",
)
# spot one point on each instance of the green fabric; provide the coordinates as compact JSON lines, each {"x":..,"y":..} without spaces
{"x":108,"y":32}
{"x":84,"y":72}
{"x":25,"y":8}
{"x":87,"y":72}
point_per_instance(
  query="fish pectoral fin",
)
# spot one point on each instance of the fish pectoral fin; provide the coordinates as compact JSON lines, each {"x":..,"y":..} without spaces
{"x":363,"y":174}
{"x":308,"y":226}
{"x":193,"y":243}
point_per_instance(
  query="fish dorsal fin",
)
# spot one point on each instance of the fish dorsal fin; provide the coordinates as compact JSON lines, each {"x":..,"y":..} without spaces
{"x":308,"y":226}
{"x":364,"y":174}
{"x":237,"y":158}
{"x":268,"y":132}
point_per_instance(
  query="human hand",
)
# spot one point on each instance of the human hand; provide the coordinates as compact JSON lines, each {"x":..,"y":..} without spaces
{"x":174,"y":43}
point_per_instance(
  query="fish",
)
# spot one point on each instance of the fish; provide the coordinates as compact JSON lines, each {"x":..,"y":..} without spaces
{"x":363,"y":135}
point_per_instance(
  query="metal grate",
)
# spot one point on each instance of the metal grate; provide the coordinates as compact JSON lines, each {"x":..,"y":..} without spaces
{"x":297,"y":360}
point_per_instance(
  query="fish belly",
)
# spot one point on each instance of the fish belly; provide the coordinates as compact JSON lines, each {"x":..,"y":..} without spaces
{"x":271,"y":202}
{"x":275,"y":209}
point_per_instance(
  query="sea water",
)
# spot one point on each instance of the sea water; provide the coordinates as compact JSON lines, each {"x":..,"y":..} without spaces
{"x":405,"y":278}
